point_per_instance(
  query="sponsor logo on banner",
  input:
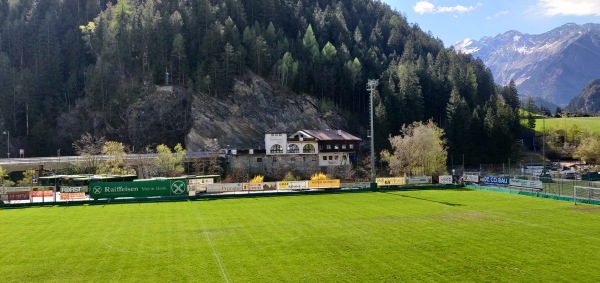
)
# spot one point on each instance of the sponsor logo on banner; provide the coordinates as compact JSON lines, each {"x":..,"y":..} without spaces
{"x":198,"y":185}
{"x":323,"y":184}
{"x":394,"y":181}
{"x":224,"y":187}
{"x":42,"y":193}
{"x":264,"y":186}
{"x":82,"y":189}
{"x":471,"y":178}
{"x":446,"y":179}
{"x":496,"y":181}
{"x":200,"y":181}
{"x":17,"y":195}
{"x":419,"y":180}
{"x":292,"y":185}
{"x":72,"y":196}
{"x":534,"y":184}
{"x":178,"y":188}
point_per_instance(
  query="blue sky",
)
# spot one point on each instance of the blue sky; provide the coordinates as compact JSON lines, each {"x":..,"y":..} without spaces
{"x":455,"y":20}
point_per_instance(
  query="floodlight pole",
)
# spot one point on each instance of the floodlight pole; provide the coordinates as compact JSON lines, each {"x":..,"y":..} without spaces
{"x":372,"y":86}
{"x":7,"y":133}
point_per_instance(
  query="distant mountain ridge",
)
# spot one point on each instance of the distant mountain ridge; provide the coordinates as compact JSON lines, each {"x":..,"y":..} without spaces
{"x":588,"y":100}
{"x":555,"y":65}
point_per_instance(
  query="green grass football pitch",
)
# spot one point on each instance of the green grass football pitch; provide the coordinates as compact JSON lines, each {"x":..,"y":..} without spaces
{"x":445,"y":235}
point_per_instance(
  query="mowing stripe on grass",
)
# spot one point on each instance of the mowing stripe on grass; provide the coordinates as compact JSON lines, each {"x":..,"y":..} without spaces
{"x":210,"y":242}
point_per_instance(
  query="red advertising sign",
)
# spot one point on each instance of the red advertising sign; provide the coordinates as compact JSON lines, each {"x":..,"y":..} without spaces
{"x":41,"y":193}
{"x":72,"y":196}
{"x":18,"y":195}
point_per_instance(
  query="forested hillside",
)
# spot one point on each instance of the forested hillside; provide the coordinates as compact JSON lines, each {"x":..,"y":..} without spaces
{"x":73,"y":66}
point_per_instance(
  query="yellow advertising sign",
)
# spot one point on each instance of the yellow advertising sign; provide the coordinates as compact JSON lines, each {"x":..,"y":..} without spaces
{"x":321,"y":184}
{"x":394,"y":181}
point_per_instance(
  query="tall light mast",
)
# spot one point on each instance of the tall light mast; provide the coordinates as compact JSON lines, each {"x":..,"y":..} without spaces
{"x":372,"y":87}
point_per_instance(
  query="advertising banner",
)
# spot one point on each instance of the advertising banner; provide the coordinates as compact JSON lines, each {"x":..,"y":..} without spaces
{"x":292,"y":185}
{"x":17,"y":195}
{"x":199,"y":185}
{"x":72,"y":196}
{"x":82,"y":189}
{"x":471,"y":178}
{"x":224,"y":187}
{"x":496,"y":181}
{"x":534,"y":184}
{"x":358,"y":185}
{"x":138,"y":189}
{"x":47,"y":193}
{"x":264,"y":186}
{"x":4,"y":190}
{"x":419,"y":180}
{"x":393,"y":181}
{"x":324,"y":184}
{"x":446,"y":179}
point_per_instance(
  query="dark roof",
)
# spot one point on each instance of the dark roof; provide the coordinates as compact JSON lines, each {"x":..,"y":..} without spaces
{"x":331,"y":135}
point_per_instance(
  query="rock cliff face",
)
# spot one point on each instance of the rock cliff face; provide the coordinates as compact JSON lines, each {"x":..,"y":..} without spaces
{"x":241,"y":119}
{"x":555,"y":65}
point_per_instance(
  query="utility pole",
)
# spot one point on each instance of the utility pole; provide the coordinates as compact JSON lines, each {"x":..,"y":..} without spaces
{"x":372,"y":87}
{"x":543,"y":141}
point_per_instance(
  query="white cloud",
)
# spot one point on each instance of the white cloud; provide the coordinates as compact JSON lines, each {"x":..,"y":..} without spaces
{"x":570,"y":7}
{"x":497,"y":15}
{"x":425,"y":7}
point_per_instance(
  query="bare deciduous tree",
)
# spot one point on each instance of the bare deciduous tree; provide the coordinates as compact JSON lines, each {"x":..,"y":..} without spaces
{"x":90,"y":148}
{"x":420,"y":150}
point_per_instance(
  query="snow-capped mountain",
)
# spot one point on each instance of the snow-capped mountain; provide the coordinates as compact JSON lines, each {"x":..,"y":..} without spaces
{"x":555,"y":65}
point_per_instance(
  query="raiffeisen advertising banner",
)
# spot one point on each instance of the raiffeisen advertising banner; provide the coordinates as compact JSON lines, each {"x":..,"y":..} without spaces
{"x":496,"y":181}
{"x":138,"y":189}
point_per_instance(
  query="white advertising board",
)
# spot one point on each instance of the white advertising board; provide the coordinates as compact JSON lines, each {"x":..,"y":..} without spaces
{"x":263,"y":186}
{"x":292,"y":185}
{"x":446,"y":179}
{"x":224,"y":187}
{"x":471,"y":178}
{"x":535,"y":184}
{"x":418,"y":180}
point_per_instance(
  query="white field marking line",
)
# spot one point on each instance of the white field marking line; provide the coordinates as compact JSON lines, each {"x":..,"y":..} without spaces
{"x":210,"y":242}
{"x":502,"y":215}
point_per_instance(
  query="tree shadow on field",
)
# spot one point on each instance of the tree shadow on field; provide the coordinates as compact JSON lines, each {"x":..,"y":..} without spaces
{"x":424,"y":199}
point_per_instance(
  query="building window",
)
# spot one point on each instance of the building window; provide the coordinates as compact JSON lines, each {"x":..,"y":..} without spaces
{"x":336,"y":147}
{"x":276,"y":149}
{"x":351,"y":146}
{"x":330,"y":157}
{"x":328,"y":146}
{"x":309,"y":148}
{"x":336,"y":157}
{"x":343,"y":146}
{"x":293,"y":148}
{"x":259,"y":159}
{"x":325,"y":158}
